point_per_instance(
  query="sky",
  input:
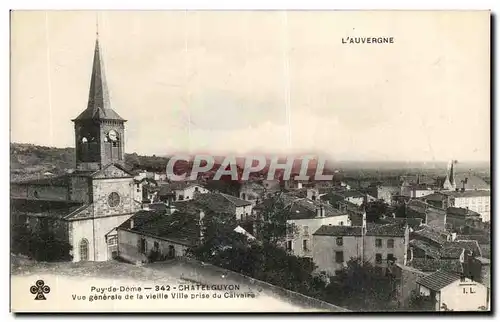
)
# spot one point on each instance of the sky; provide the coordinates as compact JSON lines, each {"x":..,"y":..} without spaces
{"x":234,"y":82}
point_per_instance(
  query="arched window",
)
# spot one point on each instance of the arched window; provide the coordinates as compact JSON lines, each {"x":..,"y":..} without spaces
{"x":84,"y":250}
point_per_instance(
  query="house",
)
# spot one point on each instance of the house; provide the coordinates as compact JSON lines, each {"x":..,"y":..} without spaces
{"x":432,"y":216}
{"x":333,"y":246}
{"x":475,"y":200}
{"x":437,"y":199}
{"x":253,"y":191}
{"x":306,"y":216}
{"x":84,"y":206}
{"x":451,"y":291}
{"x":384,"y":192}
{"x":180,"y":190}
{"x":222,"y":203}
{"x":149,"y":236}
{"x":431,"y":265}
{"x":385,"y":243}
{"x":406,"y":278}
{"x":381,"y":245}
{"x":417,"y":190}
{"x":434,"y":237}
{"x":458,"y":218}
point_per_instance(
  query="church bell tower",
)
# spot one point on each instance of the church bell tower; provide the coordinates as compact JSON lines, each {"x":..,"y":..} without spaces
{"x":99,"y":130}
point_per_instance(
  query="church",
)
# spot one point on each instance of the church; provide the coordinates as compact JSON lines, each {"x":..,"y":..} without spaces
{"x":85,"y":206}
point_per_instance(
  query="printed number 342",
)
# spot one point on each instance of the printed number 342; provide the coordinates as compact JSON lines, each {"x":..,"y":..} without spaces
{"x":162,"y":288}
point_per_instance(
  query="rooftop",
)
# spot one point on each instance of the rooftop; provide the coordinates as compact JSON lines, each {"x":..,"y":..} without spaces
{"x":469,"y":245}
{"x":431,"y":234}
{"x":387,"y":230}
{"x":438,"y":280}
{"x":468,"y":193}
{"x":179,"y":227}
{"x":429,"y":249}
{"x":462,"y":212}
{"x":432,"y":265}
{"x":327,"y":230}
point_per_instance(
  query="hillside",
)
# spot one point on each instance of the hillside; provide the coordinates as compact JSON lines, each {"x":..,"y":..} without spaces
{"x":31,"y":161}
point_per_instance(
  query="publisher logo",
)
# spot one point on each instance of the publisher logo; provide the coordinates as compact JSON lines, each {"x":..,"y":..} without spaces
{"x":40,"y":289}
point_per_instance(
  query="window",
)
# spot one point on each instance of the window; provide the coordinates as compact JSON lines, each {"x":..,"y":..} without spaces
{"x":339,"y":257}
{"x":84,"y":250}
{"x":143,"y":246}
{"x":378,"y":242}
{"x":390,"y":258}
{"x":156,"y":246}
{"x":196,"y":189}
{"x":289,"y":245}
{"x":340,"y":241}
{"x":112,"y":241}
{"x":341,"y":223}
{"x":390,"y":243}
{"x":113,"y":199}
{"x":378,"y":258}
{"x":306,"y":230}
{"x":171,"y":251}
{"x":304,"y":245}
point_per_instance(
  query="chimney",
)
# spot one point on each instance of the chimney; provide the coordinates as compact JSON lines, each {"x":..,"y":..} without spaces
{"x":131,"y":223}
{"x":322,"y":211}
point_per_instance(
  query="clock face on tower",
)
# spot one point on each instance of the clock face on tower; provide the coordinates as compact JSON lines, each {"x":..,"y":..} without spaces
{"x":113,"y":199}
{"x":112,"y":136}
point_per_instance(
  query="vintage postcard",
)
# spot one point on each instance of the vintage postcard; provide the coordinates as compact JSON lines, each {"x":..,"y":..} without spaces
{"x":250,"y":161}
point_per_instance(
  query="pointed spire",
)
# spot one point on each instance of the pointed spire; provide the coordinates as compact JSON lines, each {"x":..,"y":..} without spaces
{"x":452,"y":173}
{"x":99,"y":106}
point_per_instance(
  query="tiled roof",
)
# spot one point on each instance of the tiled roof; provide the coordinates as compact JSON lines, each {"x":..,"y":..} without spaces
{"x":429,"y":233}
{"x":451,"y":252}
{"x":413,"y":223}
{"x":46,"y":208}
{"x":436,"y":196}
{"x":461,"y":212}
{"x":306,"y":209}
{"x":178,"y":227}
{"x":327,"y":230}
{"x":60,"y":181}
{"x":469,"y":245}
{"x":422,"y":207}
{"x":170,"y":187}
{"x":220,"y":203}
{"x":389,"y":230}
{"x":351,"y":193}
{"x":473,"y":182}
{"x":429,"y":249}
{"x":481,"y":239}
{"x":438,"y":280}
{"x":468,"y":193}
{"x":236,"y":201}
{"x":432,"y":265}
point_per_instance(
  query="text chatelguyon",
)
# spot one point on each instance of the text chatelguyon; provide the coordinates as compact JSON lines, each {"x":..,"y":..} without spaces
{"x":252,"y":164}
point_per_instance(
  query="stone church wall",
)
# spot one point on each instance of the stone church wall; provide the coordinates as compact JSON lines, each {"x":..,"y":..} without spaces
{"x":95,"y":232}
{"x":104,"y":187}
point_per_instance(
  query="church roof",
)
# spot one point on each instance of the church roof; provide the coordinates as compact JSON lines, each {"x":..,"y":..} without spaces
{"x":99,"y":106}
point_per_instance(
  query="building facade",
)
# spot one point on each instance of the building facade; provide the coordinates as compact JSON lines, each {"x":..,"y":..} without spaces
{"x":81,"y":208}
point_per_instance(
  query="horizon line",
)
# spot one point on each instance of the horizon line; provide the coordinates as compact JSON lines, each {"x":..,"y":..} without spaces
{"x":328,"y":158}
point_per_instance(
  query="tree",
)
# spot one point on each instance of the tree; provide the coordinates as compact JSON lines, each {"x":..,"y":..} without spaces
{"x":375,"y":210}
{"x":360,"y":285}
{"x":274,"y":226}
{"x":39,"y":245}
{"x":420,"y":302}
